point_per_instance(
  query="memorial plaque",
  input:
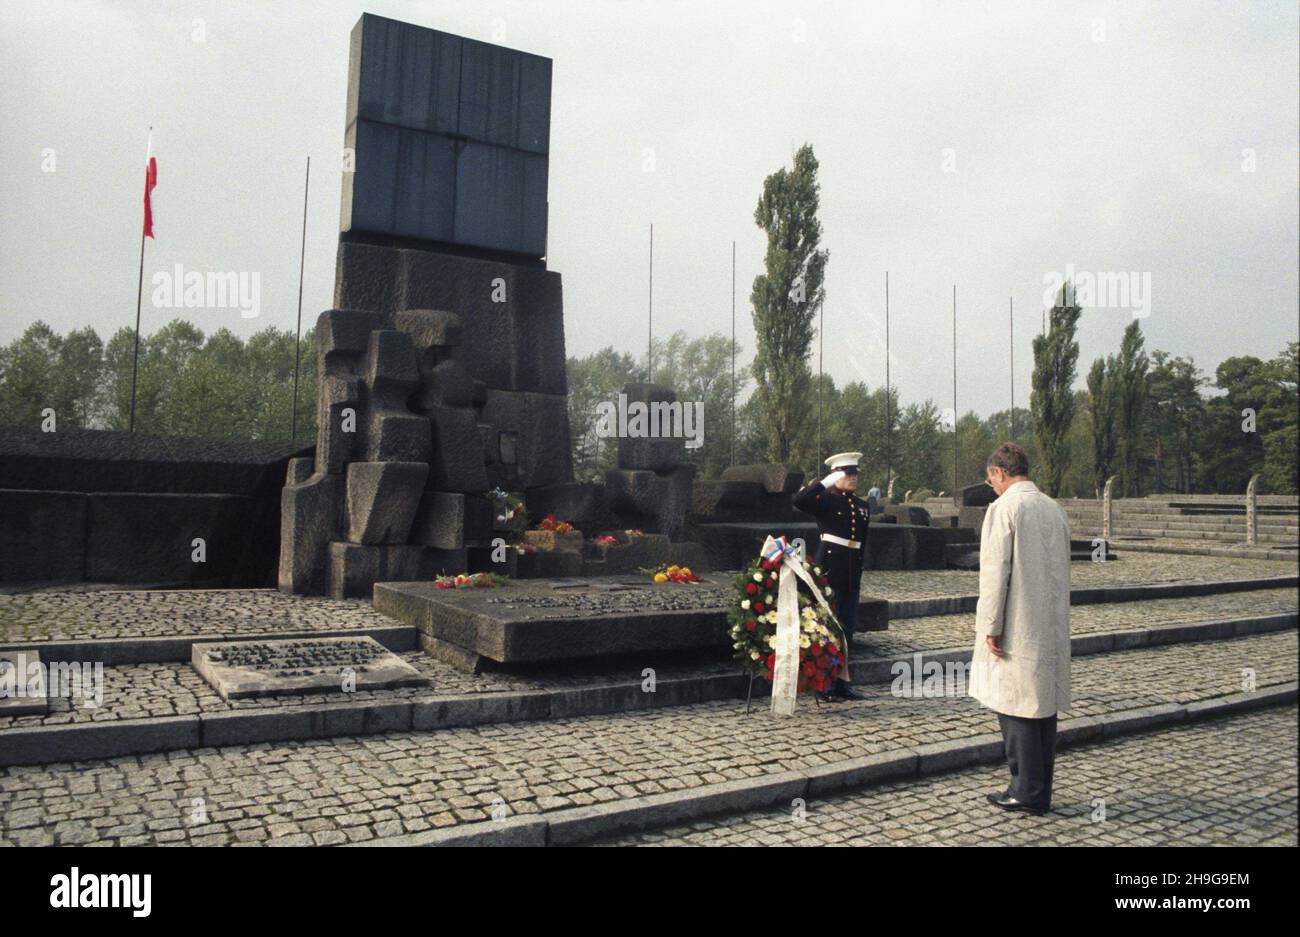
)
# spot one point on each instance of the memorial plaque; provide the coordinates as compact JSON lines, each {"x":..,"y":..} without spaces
{"x":22,"y":684}
{"x":245,"y":669}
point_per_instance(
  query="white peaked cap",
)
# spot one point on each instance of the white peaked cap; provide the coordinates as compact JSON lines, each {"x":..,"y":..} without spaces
{"x":843,"y":459}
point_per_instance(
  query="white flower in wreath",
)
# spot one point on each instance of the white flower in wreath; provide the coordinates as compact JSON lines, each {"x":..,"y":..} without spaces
{"x":744,"y":603}
{"x":767,"y":599}
{"x":770,"y":617}
{"x":829,"y":590}
{"x":753,"y":655}
{"x":804,"y":642}
{"x":758,"y":577}
{"x":817,"y":570}
{"x":771,"y":642}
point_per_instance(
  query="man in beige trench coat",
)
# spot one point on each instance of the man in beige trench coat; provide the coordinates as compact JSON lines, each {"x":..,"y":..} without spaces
{"x":1021,"y":664}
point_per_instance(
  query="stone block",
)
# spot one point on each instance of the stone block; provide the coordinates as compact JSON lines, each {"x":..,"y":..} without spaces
{"x":971,"y":517}
{"x":430,"y":328}
{"x":653,"y":416}
{"x":725,"y":500}
{"x":457,"y":461}
{"x":659,"y":501}
{"x":310,"y":515}
{"x":908,"y":514}
{"x":382,"y":498}
{"x":346,"y":331}
{"x":390,"y":363}
{"x":440,"y":563}
{"x":979,"y":495}
{"x":42,"y":536}
{"x":774,"y":477}
{"x":393,"y":436}
{"x":23,"y":689}
{"x":151,"y":537}
{"x":448,"y":383}
{"x":440,"y":520}
{"x":300,"y":469}
{"x":339,"y":414}
{"x":534,"y":429}
{"x":478,"y":519}
{"x":354,"y":568}
{"x":517,"y":309}
{"x":582,"y":504}
{"x":253,"y":669}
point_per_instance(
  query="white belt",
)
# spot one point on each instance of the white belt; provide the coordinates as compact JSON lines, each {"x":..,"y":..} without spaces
{"x":851,"y":544}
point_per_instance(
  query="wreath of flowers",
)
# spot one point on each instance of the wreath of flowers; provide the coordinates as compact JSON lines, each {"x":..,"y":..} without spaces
{"x":470,"y":581}
{"x":752,"y":620}
{"x":508,"y":509}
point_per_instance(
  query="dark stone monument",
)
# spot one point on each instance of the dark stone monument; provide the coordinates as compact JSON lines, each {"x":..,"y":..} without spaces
{"x":442,"y":369}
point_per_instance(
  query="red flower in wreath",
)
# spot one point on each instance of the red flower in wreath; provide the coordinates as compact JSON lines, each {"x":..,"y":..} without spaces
{"x":751,"y":625}
{"x":751,"y":588}
{"x":758,"y":606}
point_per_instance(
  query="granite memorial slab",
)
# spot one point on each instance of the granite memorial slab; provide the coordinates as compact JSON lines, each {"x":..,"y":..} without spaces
{"x":247,"y":669}
{"x":574,"y":619}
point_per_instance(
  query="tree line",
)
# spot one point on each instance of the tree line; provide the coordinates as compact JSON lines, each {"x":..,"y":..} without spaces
{"x":1154,"y":421}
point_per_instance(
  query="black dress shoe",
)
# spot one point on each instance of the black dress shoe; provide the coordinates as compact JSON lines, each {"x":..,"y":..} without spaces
{"x":1011,"y":804}
{"x":842,"y":690}
{"x":826,"y":697}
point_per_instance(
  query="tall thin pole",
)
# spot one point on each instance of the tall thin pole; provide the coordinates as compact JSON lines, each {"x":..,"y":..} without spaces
{"x":135,"y":358}
{"x":1011,"y":339}
{"x":821,"y":333}
{"x":954,"y":388}
{"x":297,"y":347}
{"x":889,"y":422}
{"x":139,"y":293}
{"x":733,"y":353}
{"x":650,"y":313}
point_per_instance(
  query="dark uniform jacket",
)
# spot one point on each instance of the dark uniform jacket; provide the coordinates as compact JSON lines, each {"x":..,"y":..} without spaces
{"x":840,"y":514}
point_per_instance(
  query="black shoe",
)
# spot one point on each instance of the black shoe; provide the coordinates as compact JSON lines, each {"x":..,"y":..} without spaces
{"x":826,"y":697}
{"x":1011,"y":804}
{"x":842,"y":690}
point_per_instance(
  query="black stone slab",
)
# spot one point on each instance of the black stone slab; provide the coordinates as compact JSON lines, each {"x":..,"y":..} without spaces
{"x":534,"y":622}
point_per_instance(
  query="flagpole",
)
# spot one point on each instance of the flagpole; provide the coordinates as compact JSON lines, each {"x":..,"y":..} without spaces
{"x":297,"y":346}
{"x":139,"y":295}
{"x":650,"y":314}
{"x":135,"y":358}
{"x":733,"y":353}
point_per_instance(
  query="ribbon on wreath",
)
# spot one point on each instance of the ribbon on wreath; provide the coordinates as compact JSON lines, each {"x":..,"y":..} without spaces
{"x":785,"y":669}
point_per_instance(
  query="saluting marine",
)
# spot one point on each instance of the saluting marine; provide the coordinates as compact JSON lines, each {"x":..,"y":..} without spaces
{"x":842,"y":520}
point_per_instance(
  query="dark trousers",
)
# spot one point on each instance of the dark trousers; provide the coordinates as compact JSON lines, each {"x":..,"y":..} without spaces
{"x":846,"y":610}
{"x":1031,"y":756}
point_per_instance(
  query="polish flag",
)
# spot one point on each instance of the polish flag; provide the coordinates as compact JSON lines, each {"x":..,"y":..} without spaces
{"x":150,"y":180}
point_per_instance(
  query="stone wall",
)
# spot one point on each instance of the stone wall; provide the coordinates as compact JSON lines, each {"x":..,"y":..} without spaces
{"x":101,"y":506}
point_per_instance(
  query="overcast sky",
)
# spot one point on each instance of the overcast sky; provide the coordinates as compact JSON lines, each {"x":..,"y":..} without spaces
{"x":978,"y":144}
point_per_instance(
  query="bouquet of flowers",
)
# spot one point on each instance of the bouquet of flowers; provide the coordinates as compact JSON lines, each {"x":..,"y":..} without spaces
{"x":752,"y":619}
{"x":605,"y":540}
{"x":508,"y":509}
{"x":470,"y":581}
{"x":673,"y":573}
{"x":560,"y":527}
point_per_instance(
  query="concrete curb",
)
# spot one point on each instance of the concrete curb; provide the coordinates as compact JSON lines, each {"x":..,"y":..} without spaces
{"x":577,"y":825}
{"x":34,"y":745}
{"x":956,"y":604}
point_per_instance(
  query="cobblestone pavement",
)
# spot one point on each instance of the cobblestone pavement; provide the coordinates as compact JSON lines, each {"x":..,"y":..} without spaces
{"x":82,"y":613}
{"x":1129,"y":570}
{"x":1226,"y":782}
{"x":173,"y":689}
{"x":336,"y":790}
{"x":934,"y":632}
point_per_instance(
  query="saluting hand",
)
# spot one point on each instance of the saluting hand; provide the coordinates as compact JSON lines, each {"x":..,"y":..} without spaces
{"x":831,"y":480}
